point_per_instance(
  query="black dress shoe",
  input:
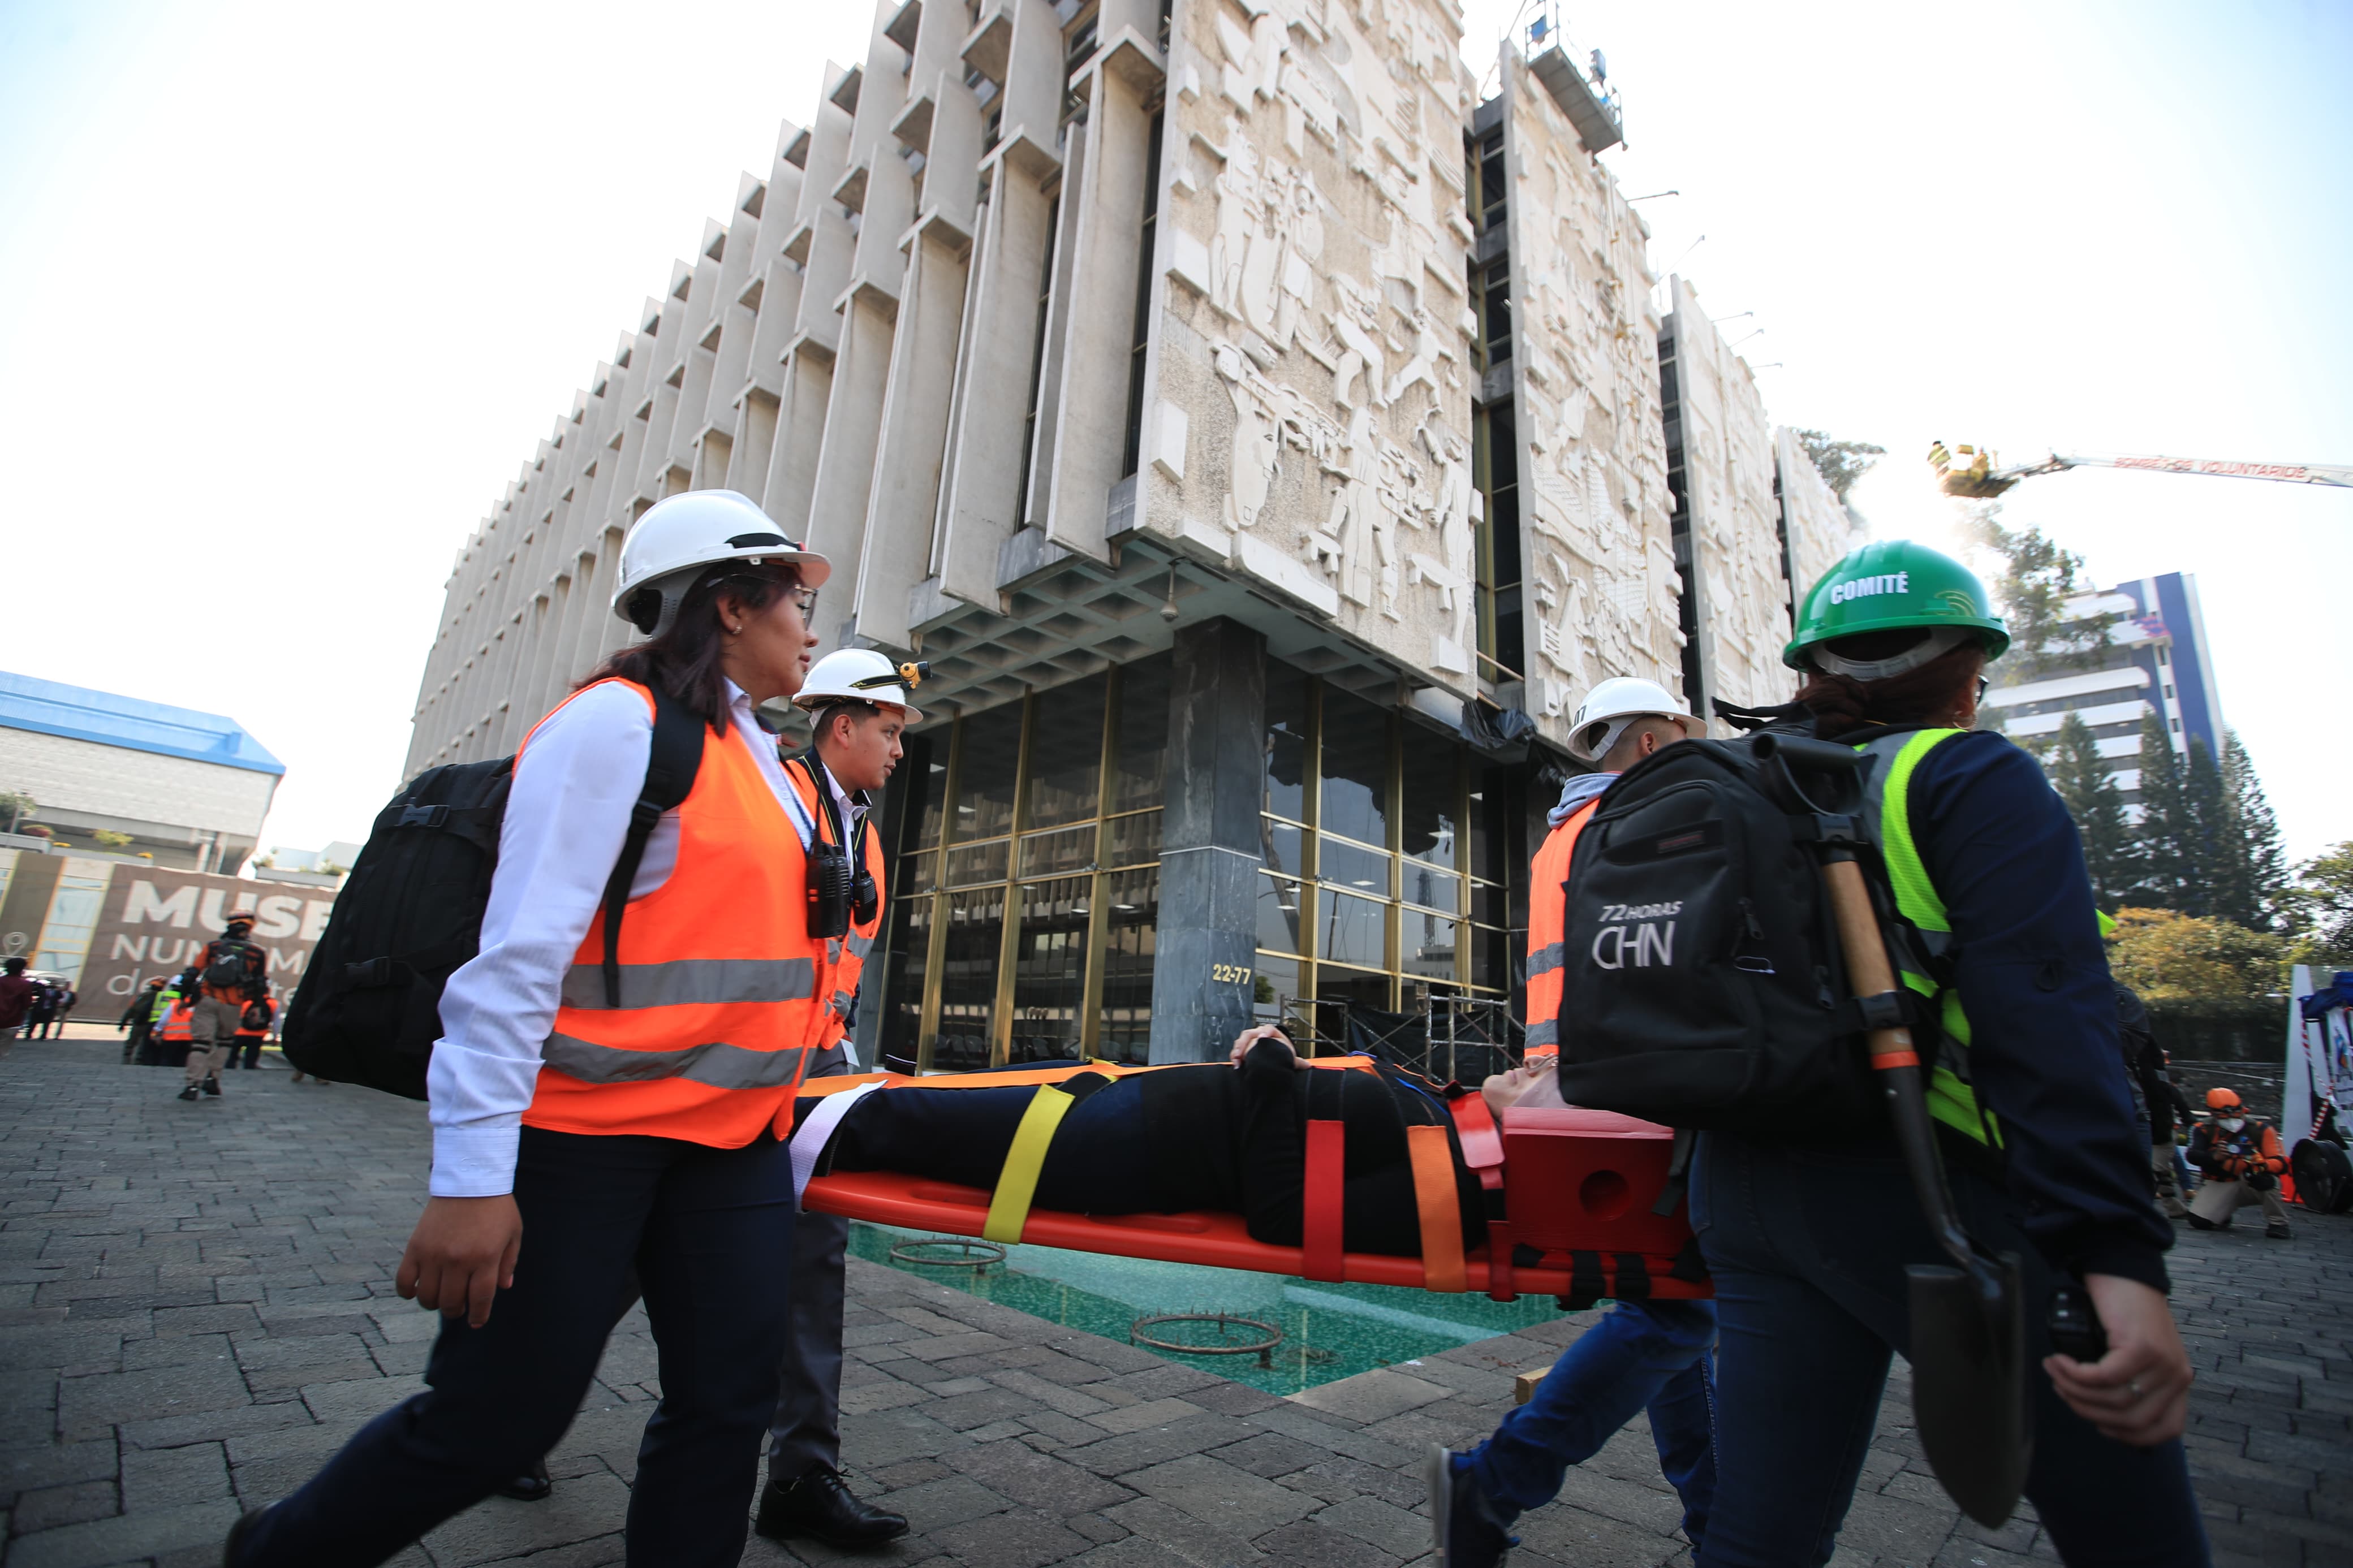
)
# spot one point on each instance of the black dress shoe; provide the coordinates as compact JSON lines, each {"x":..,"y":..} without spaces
{"x":821,"y":1507}
{"x":531,"y":1486}
{"x":239,"y":1532}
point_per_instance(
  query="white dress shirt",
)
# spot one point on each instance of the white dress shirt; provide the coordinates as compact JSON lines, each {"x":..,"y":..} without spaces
{"x":567,"y":813}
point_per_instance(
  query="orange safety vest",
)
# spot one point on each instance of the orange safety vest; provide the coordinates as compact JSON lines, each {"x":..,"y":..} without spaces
{"x":719,"y":978}
{"x":1548,"y":929}
{"x":179,"y":1023}
{"x":845,"y":958}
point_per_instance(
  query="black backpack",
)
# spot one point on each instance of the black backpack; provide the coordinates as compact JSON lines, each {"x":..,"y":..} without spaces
{"x":231,"y":966}
{"x":1703,"y":986}
{"x":369,"y":1006}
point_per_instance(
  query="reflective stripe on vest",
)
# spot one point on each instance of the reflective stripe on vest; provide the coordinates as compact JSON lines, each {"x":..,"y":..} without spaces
{"x":720,"y":980}
{"x":1888,"y":802}
{"x":1548,"y":926}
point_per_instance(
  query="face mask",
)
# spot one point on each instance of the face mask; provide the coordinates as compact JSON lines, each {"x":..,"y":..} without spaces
{"x":2232,"y":1123}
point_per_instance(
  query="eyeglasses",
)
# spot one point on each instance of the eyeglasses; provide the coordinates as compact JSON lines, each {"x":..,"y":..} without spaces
{"x":1984,"y":685}
{"x":805,"y":601}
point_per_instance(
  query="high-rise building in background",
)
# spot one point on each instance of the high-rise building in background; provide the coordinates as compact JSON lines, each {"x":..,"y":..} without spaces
{"x":2157,"y":661}
{"x":1261,"y":434}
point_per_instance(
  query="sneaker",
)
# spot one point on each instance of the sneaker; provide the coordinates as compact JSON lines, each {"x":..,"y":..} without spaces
{"x":1460,"y":1525}
{"x":2199,"y":1222}
{"x":189,"y":1093}
{"x":2277,"y":1230}
{"x":212,"y":1086}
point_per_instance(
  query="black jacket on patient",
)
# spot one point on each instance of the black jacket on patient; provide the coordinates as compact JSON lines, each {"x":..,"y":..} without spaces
{"x":1181,"y":1139}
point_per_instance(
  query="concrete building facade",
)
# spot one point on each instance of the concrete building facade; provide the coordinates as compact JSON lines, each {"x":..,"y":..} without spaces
{"x":2157,"y":661}
{"x":1262,"y":438}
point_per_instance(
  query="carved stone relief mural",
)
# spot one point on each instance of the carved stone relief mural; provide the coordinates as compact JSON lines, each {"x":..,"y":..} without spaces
{"x":1820,"y":529}
{"x":1313,"y":326}
{"x":1600,"y":594}
{"x":1728,"y":469}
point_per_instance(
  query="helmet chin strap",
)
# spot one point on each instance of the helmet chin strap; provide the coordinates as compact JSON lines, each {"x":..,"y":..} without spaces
{"x":1938,"y":640}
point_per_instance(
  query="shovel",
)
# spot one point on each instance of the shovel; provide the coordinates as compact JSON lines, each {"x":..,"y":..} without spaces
{"x":1969,"y":1324}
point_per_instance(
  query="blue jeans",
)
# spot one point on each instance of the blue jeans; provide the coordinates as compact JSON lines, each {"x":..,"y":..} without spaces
{"x":710,"y":1232}
{"x":1809,"y":1249}
{"x":1641,"y":1355}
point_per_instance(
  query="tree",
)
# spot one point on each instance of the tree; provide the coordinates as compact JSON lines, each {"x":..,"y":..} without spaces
{"x":2204,"y":848}
{"x":109,"y":839}
{"x":2082,"y":777}
{"x":1840,"y":463}
{"x":2168,"y":956}
{"x":2258,"y":886}
{"x":14,"y":806}
{"x":2319,"y":909}
{"x":2034,"y":585}
{"x":2164,"y":830}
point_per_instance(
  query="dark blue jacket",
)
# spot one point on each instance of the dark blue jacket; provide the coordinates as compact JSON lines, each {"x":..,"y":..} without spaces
{"x":2034,"y":978}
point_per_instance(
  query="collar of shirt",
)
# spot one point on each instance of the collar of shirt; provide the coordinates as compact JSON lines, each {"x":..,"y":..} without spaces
{"x":851,"y":804}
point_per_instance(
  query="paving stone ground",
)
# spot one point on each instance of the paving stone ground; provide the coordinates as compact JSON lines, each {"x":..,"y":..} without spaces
{"x":196,"y":1306}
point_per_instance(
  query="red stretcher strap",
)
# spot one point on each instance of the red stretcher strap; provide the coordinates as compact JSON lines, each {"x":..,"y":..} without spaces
{"x":1441,"y":1218}
{"x":1482,"y":1146}
{"x":1326,"y":1179}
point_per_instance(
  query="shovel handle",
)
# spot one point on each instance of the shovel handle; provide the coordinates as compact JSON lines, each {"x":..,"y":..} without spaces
{"x":1893,"y":1058}
{"x":1866,"y":959}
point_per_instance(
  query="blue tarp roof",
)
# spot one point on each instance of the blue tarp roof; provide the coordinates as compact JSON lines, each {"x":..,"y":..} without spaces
{"x":53,"y":708}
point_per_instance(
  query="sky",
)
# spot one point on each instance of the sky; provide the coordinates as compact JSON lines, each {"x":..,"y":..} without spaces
{"x":289,"y":292}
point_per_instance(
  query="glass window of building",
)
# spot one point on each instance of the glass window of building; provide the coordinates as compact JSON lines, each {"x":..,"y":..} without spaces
{"x":1384,"y":859}
{"x":1028,"y":933}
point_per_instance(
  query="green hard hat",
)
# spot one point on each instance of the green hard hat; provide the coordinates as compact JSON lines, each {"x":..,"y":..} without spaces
{"x":1889,"y":584}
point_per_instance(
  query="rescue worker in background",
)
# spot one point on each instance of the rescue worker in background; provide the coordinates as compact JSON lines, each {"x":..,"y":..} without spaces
{"x":139,"y":1018}
{"x":1808,"y":1243}
{"x":1641,"y":1355}
{"x":174,"y":1031}
{"x":2155,"y":1093}
{"x":859,"y":706}
{"x":232,"y":971}
{"x":573,"y":1140}
{"x":252,"y":1029}
{"x":2242,"y":1159}
{"x":18,"y":991}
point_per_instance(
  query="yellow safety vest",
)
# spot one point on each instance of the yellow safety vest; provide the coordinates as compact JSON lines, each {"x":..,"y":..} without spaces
{"x":1922,"y":953}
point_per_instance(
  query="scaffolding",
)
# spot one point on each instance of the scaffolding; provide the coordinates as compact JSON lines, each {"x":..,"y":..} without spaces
{"x":1442,"y":1035}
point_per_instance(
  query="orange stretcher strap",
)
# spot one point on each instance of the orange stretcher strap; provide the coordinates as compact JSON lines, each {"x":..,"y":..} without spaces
{"x":1004,"y":1076}
{"x":1326,"y":1178}
{"x":1482,"y":1146}
{"x":1442,"y":1218}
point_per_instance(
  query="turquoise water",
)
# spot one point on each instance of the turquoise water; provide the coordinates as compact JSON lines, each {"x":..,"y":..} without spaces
{"x":1329,"y":1330}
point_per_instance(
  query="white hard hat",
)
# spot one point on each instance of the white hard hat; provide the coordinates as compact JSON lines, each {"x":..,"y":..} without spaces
{"x":669,"y":546}
{"x":860,"y":675}
{"x":1607,"y":710}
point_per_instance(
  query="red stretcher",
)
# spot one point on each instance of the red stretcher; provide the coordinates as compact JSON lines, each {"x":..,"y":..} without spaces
{"x":1579,"y":1191}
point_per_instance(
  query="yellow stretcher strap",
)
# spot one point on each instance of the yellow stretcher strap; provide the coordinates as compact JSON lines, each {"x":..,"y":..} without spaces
{"x":1442,"y":1266}
{"x":1016,"y":1183}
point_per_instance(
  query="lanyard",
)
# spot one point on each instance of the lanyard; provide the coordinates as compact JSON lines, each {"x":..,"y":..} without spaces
{"x":821,"y":780}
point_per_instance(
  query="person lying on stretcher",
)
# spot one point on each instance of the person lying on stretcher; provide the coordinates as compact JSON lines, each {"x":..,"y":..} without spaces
{"x":1178,"y":1140}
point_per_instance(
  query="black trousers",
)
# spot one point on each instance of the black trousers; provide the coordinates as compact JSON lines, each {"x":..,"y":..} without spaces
{"x":710,"y":1232}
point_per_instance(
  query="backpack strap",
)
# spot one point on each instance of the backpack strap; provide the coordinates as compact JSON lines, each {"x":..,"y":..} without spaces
{"x":675,"y":758}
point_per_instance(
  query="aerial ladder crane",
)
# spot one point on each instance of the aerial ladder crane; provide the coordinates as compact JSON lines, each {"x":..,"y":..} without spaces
{"x":1973,"y":473}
